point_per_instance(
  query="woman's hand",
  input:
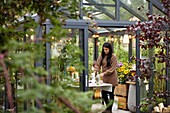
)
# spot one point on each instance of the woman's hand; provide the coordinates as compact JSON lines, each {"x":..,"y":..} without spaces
{"x":101,"y":74}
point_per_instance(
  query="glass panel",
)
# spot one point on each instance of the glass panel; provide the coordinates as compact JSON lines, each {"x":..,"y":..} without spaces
{"x":66,"y":54}
{"x":57,"y":46}
{"x":134,"y":4}
{"x":125,"y":15}
{"x":157,"y":12}
{"x":95,"y":13}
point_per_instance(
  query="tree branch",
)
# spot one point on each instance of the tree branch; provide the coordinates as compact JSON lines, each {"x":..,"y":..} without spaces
{"x":8,"y":86}
{"x":68,"y":105}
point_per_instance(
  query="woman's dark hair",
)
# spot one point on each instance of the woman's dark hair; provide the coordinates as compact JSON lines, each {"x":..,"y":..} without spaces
{"x":107,"y":45}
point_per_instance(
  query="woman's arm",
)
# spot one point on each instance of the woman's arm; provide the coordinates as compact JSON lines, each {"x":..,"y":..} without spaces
{"x":113,"y":63}
{"x":97,"y":65}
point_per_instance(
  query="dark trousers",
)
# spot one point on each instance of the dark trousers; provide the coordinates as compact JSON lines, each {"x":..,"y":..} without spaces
{"x":105,"y":95}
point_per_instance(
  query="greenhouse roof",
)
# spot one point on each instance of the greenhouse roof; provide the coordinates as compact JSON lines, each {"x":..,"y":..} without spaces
{"x":107,"y":30}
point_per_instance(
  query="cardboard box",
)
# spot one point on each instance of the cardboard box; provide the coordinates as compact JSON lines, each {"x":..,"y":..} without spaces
{"x":166,"y":110}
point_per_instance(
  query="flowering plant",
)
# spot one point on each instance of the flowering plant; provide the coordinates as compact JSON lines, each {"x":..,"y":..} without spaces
{"x":71,"y":69}
{"x":123,"y":71}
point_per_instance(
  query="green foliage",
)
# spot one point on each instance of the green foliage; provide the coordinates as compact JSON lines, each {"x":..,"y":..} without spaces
{"x":159,"y":86}
{"x":144,"y":52}
{"x":145,"y":107}
{"x":122,"y":54}
{"x":69,"y":56}
{"x":91,"y":56}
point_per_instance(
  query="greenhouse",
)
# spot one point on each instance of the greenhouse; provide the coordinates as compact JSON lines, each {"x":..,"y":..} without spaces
{"x":84,"y":56}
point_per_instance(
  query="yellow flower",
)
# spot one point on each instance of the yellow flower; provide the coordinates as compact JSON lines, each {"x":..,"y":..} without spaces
{"x":122,"y":76}
{"x":126,"y":71}
{"x":126,"y":64}
{"x":130,"y":67}
{"x":71,"y":68}
{"x":119,"y":69}
{"x":133,"y":74}
{"x":122,"y":68}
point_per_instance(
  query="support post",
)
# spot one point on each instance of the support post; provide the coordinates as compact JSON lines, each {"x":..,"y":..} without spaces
{"x":117,"y":10}
{"x":25,"y":86}
{"x":81,"y":11}
{"x":137,"y":72}
{"x":112,"y":43}
{"x":150,"y":7}
{"x":167,"y":74}
{"x":16,"y":81}
{"x":95,"y":49}
{"x":84,"y":81}
{"x":130,"y":50}
{"x":39,"y":33}
{"x":48,"y":56}
{"x":119,"y":36}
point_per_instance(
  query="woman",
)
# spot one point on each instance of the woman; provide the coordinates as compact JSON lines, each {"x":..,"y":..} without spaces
{"x":108,"y":61}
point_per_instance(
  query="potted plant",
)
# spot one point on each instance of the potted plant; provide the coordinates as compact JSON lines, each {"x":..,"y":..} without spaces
{"x":123,"y":71}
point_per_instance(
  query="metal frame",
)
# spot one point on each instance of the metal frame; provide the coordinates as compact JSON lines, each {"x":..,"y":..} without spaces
{"x":100,"y":23}
{"x":98,"y":4}
{"x":158,"y":5}
{"x":95,"y":49}
{"x":83,"y":27}
{"x":102,"y":9}
{"x":137,"y":72}
{"x":130,"y":10}
{"x":112,"y":43}
{"x":121,"y":24}
{"x":150,"y":7}
{"x":39,"y":33}
{"x":117,"y":10}
{"x":167,"y":74}
{"x":130,"y":50}
{"x":118,"y":3}
{"x":48,"y":55}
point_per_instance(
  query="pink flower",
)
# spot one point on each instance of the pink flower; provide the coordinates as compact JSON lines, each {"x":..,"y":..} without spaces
{"x":120,"y":64}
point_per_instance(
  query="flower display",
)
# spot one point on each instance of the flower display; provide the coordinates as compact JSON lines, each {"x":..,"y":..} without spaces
{"x":72,"y":69}
{"x":123,"y":71}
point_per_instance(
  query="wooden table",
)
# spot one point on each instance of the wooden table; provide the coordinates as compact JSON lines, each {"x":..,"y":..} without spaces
{"x":102,"y":86}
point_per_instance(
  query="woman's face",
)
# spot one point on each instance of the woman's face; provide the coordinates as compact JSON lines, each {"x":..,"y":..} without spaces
{"x":106,"y":50}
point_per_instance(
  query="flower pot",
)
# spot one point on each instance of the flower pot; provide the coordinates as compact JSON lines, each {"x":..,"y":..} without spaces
{"x":122,"y":82}
{"x":132,"y":98}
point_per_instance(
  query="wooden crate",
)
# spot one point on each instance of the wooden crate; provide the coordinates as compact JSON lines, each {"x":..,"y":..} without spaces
{"x":166,"y":109}
{"x":121,"y":89}
{"x":122,"y":102}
